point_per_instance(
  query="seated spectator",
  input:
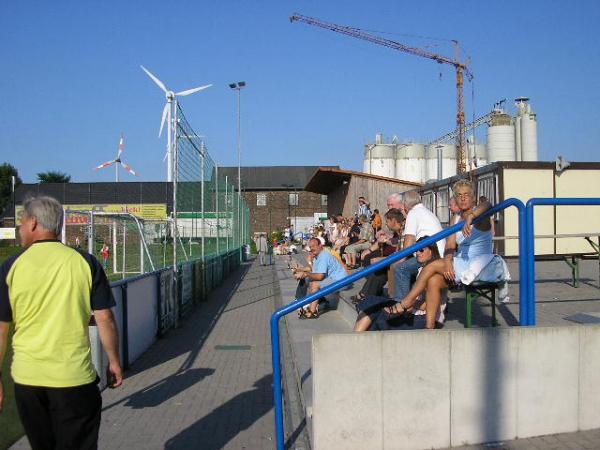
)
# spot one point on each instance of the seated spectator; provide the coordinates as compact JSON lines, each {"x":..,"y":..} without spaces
{"x":325,"y":271}
{"x":384,"y":246}
{"x":376,"y":221}
{"x":383,"y":313}
{"x":468,"y":254}
{"x":419,"y":222}
{"x":365,"y":236}
{"x":364,"y":209}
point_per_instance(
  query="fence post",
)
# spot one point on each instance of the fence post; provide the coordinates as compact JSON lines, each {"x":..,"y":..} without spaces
{"x":217,"y":189}
{"x":226,"y":217}
{"x":202,"y":197}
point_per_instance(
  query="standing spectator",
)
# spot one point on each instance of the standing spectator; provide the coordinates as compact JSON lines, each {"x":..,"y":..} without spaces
{"x":77,"y":243}
{"x":376,"y":222}
{"x":419,"y":222}
{"x":364,"y":208}
{"x":365,"y":237}
{"x":105,"y":252}
{"x":49,"y":291}
{"x":325,"y":271}
{"x":262,"y":248}
{"x":291,"y":233}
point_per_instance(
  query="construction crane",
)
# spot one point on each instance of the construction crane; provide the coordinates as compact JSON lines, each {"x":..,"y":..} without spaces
{"x":460,"y":68}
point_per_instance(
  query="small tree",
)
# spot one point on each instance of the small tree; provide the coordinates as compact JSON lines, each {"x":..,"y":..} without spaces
{"x":7,"y":171}
{"x":53,"y":177}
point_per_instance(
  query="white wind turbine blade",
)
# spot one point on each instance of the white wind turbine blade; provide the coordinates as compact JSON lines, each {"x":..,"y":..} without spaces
{"x":121,"y":146}
{"x":106,"y":164}
{"x":191,"y":91}
{"x":159,"y":83}
{"x":164,"y":117}
{"x":165,"y":158}
{"x":128,"y":168}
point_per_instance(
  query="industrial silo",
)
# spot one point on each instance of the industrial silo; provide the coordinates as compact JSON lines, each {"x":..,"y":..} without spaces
{"x":380,"y":159}
{"x":410,"y":162}
{"x":476,"y":153}
{"x":525,"y":131}
{"x":500,"y":137}
{"x":447,"y":152}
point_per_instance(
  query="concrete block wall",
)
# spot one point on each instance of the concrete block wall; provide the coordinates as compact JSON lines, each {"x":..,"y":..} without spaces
{"x":423,"y":389}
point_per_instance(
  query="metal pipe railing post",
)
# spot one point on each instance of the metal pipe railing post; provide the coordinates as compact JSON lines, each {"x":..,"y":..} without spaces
{"x":334,"y":287}
{"x":531,"y":240}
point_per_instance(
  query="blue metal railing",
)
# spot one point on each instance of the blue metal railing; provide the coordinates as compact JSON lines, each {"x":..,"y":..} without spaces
{"x":277,"y":315}
{"x":530,"y":240}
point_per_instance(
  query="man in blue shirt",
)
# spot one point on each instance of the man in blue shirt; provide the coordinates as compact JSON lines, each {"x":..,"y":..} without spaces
{"x":326,"y":270}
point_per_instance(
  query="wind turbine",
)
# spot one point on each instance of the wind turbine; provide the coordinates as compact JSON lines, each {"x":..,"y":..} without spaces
{"x":168,"y":114}
{"x":118,"y":161}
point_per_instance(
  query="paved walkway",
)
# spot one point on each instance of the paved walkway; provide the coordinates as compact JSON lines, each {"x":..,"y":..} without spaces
{"x":205,"y":385}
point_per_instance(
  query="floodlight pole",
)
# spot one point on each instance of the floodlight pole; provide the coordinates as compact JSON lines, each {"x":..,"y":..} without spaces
{"x":175,"y":177}
{"x":238,"y":87}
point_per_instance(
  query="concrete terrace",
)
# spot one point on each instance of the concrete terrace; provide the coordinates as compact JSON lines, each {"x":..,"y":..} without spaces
{"x":208,"y":384}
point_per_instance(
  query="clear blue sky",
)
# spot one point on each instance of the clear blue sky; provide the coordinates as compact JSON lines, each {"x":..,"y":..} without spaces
{"x":70,"y":79}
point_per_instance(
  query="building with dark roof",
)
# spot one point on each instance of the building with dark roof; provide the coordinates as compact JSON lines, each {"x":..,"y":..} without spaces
{"x":276,"y":196}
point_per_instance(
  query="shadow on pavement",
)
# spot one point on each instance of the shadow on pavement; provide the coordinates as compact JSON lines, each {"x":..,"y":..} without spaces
{"x":166,"y":388}
{"x":240,"y":412}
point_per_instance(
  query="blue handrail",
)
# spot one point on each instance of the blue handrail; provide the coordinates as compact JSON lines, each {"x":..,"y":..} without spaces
{"x":277,"y":315}
{"x":531,"y":240}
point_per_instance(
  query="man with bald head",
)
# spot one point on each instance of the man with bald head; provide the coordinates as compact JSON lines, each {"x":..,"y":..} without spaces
{"x":326,"y":270}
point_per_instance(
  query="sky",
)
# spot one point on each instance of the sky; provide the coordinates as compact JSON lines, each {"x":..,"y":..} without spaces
{"x":71,"y":80}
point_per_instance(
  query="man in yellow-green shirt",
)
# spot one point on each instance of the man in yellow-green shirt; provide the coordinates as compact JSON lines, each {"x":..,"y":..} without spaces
{"x":49,"y":291}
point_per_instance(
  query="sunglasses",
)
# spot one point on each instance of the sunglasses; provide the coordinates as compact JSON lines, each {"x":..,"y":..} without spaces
{"x":421,"y":250}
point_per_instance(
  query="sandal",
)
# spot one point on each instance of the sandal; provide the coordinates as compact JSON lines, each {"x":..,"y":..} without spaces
{"x":301,"y":313}
{"x":356,"y":299}
{"x":310,"y":315}
{"x":395,"y":313}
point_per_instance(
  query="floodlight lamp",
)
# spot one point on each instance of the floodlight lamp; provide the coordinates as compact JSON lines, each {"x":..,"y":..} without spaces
{"x":232,"y":85}
{"x":241,"y":83}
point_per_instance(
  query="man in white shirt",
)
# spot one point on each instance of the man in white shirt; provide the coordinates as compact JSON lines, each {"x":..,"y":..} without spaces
{"x":419,"y":222}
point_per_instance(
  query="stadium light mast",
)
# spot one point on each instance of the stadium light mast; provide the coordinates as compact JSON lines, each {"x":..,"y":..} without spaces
{"x":238,"y":87}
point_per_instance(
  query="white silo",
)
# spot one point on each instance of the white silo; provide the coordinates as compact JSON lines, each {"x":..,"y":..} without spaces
{"x":526,"y":131}
{"x":380,"y":159}
{"x":500,"y":137}
{"x":448,"y":161}
{"x":476,"y":153}
{"x":410,"y":162}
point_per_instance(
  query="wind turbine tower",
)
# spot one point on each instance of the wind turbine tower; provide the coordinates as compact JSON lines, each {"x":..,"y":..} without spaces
{"x":168,"y":114}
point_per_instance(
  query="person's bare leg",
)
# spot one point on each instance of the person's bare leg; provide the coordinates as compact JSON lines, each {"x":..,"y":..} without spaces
{"x":363,"y":322}
{"x":313,"y":287}
{"x":434,"y":298}
{"x":390,"y":280}
{"x":433,"y":268}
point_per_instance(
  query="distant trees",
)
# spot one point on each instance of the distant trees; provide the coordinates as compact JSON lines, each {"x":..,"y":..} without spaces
{"x":7,"y":171}
{"x":53,"y":177}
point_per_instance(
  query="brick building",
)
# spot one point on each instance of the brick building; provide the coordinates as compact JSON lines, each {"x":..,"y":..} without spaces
{"x":276,"y":196}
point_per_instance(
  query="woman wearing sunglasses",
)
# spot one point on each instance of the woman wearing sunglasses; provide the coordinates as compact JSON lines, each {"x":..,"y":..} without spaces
{"x":372,"y":311}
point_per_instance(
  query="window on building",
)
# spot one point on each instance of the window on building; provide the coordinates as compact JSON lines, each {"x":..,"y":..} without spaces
{"x":261,"y":199}
{"x":323,"y":200}
{"x":293,"y":199}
